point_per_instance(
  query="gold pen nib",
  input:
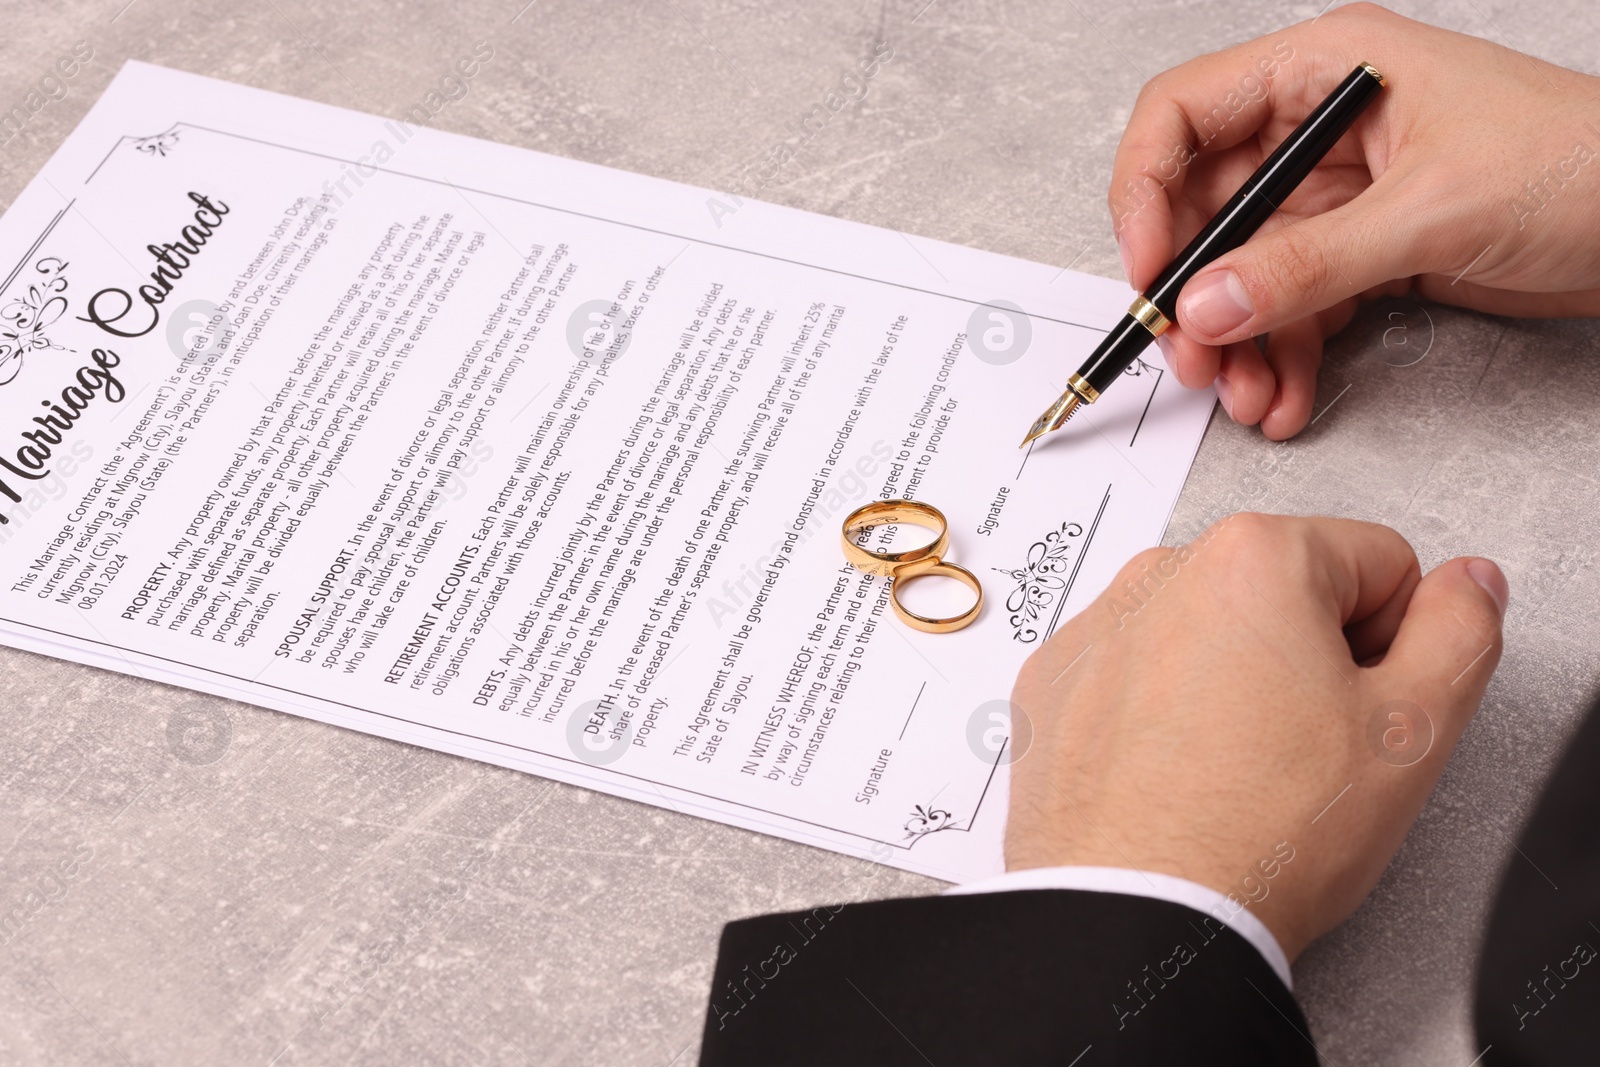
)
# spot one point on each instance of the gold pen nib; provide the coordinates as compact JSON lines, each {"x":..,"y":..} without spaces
{"x":1054,"y":417}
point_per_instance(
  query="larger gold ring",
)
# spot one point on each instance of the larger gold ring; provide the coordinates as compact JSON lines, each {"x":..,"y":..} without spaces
{"x":879,"y":512}
{"x":927,"y":568}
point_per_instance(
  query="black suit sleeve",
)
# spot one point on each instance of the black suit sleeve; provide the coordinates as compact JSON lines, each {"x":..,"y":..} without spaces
{"x":1058,"y":977}
{"x":1538,"y":996}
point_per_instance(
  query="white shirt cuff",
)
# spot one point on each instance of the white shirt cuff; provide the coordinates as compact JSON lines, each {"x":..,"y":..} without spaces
{"x":1230,"y":913}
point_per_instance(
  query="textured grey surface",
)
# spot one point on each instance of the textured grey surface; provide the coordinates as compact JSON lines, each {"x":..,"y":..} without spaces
{"x":317,"y":896}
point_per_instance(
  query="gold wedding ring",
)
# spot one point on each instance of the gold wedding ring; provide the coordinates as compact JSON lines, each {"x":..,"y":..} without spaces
{"x":907,"y":564}
{"x":880,"y":512}
{"x":924,"y":568}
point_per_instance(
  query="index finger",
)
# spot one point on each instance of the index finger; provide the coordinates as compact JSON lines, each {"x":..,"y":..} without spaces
{"x":1210,"y":104}
{"x":1338,"y":582}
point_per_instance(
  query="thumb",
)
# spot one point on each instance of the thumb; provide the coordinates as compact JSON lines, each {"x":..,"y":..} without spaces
{"x":1448,"y":644}
{"x":1299,"y":269}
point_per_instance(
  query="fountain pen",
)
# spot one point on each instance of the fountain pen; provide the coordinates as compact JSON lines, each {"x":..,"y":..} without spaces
{"x":1154,"y":310}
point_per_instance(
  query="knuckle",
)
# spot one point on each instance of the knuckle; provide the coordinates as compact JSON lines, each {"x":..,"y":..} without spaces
{"x":1153,"y":87}
{"x":1294,"y":263}
{"x":1211,"y":532}
{"x":1249,"y":527}
{"x":1360,"y":10}
{"x":1142,"y":561}
{"x":1249,"y":537}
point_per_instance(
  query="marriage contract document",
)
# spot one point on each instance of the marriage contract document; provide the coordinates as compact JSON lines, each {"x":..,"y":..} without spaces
{"x":544,"y":464}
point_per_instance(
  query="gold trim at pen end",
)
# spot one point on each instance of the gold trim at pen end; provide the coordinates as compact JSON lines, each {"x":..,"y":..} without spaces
{"x":1149,"y":316}
{"x":1370,"y":69}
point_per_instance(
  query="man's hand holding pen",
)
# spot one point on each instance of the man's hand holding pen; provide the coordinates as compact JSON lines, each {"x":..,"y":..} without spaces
{"x":1272,"y":183}
{"x":1459,"y":187}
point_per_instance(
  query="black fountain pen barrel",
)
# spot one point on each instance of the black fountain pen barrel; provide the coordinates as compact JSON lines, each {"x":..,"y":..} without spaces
{"x":1121,"y":346}
{"x":1268,"y":187}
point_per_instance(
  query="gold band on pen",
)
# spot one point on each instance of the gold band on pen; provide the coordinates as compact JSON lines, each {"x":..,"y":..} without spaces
{"x":1370,"y":69}
{"x":880,"y":512}
{"x":1149,"y":316}
{"x":1080,"y":385}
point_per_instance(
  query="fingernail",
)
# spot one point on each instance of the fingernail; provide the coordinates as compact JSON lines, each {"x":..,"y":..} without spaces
{"x":1165,"y":344}
{"x":1486,"y":574}
{"x":1216,"y":304}
{"x":1224,"y":394}
{"x":1127,"y":259}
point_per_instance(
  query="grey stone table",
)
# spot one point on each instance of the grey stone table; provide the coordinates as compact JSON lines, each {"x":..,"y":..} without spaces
{"x":305,"y":895}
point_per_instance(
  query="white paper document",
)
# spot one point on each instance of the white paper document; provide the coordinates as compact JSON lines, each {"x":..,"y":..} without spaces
{"x":544,"y":464}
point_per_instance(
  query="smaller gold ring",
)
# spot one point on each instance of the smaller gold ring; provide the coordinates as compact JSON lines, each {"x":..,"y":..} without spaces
{"x":935,"y":567}
{"x":1149,"y":316}
{"x":1370,"y":69}
{"x":880,"y":512}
